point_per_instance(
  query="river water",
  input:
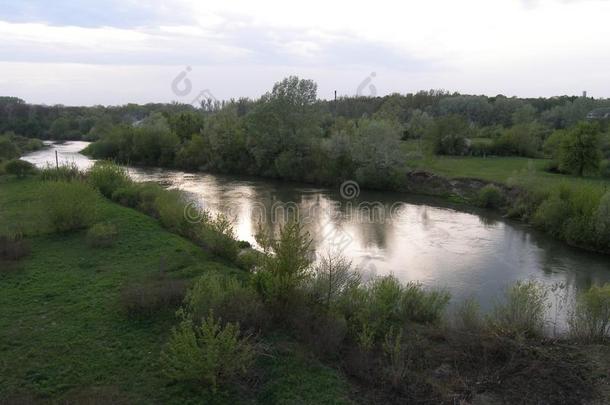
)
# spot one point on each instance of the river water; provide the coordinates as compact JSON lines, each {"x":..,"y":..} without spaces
{"x":473,"y":253}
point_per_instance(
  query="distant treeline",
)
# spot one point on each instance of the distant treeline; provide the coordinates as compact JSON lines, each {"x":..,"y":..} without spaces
{"x":64,"y":122}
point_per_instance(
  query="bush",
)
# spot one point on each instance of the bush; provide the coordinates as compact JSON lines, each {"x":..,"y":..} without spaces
{"x":249,"y":259}
{"x":590,"y":321}
{"x":604,"y":169}
{"x":147,"y":196}
{"x":107,"y":177}
{"x":210,"y":353}
{"x":102,"y":235}
{"x":64,"y":172}
{"x":490,"y":196}
{"x":332,"y":277}
{"x":69,"y":206}
{"x":169,"y":205}
{"x":373,"y":309}
{"x":13,"y":246}
{"x":467,"y":316}
{"x":147,"y":298}
{"x":19,"y":168}
{"x":227,"y":297}
{"x":217,"y":235}
{"x":523,"y":312}
{"x":553,"y":213}
{"x":128,"y":196}
{"x":424,"y":306}
{"x":285,"y":267}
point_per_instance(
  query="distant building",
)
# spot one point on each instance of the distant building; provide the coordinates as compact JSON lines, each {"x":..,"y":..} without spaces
{"x":599,"y":114}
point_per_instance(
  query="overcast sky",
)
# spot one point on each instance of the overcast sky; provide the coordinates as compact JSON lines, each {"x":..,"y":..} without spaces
{"x":113,"y":52}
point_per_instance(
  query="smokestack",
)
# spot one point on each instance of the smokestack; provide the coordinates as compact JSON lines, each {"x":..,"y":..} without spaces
{"x":584,"y":94}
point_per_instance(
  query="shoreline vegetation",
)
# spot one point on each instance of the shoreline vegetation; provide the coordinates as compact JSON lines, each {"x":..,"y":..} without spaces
{"x":116,"y":297}
{"x":543,"y":161}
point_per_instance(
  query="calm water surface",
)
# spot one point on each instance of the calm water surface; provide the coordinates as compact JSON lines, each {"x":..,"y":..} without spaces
{"x":473,"y":253}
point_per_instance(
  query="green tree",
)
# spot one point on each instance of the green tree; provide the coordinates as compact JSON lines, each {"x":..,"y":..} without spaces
{"x":448,"y":135}
{"x":185,"y":124}
{"x":579,"y":150}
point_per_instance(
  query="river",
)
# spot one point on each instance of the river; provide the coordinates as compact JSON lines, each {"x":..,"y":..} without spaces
{"x":471,"y":252}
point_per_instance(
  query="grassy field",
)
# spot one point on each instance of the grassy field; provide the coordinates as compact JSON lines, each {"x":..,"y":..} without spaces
{"x":508,"y":170}
{"x":64,"y":336}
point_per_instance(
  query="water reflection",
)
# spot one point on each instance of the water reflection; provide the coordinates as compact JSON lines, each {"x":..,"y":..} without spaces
{"x":471,"y":252}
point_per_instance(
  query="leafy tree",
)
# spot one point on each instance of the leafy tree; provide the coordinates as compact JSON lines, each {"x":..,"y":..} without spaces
{"x":524,"y":114}
{"x":579,"y":150}
{"x":376,"y":153}
{"x":185,"y":124}
{"x":448,"y":135}
{"x":282,"y":119}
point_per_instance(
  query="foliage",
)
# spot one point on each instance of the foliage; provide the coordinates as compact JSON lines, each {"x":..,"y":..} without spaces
{"x":590,"y":320}
{"x":64,"y":172}
{"x":374,"y":308}
{"x":209,"y":354}
{"x":107,"y":177}
{"x":102,"y":235}
{"x":13,"y":246}
{"x":579,"y":150}
{"x":149,"y":297}
{"x":19,"y":168}
{"x":333,"y":276}
{"x":522,"y":313}
{"x":490,"y":196}
{"x":467,"y":316}
{"x":285,"y":268}
{"x":69,"y":205}
{"x":227,"y":297}
{"x":448,"y":136}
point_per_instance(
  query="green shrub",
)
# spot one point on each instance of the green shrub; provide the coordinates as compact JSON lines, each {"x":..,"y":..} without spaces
{"x":209,"y":354}
{"x":169,"y":205}
{"x":13,"y":246}
{"x":144,"y":299}
{"x":249,"y":259}
{"x":19,"y":168}
{"x":107,"y":177}
{"x":286,"y":265}
{"x":552,"y":214}
{"x":523,"y":312}
{"x":384,"y":303}
{"x":128,"y":196}
{"x":424,"y":306}
{"x":147,"y":198}
{"x":333,"y":276}
{"x":102,"y":235}
{"x":64,"y":172}
{"x":604,"y":169}
{"x":217,"y":235}
{"x":69,"y":206}
{"x":467,"y":316}
{"x":590,"y":320}
{"x":490,"y":196}
{"x":227,"y":297}
{"x":602,"y":220}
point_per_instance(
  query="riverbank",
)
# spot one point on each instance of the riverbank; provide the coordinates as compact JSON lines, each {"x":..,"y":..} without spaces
{"x":65,"y":335}
{"x":568,"y":208}
{"x":64,"y":306}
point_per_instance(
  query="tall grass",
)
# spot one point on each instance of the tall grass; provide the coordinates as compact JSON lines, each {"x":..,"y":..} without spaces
{"x":590,"y":320}
{"x":69,"y":205}
{"x":522,"y":313}
{"x":107,"y":177}
{"x":210,"y":353}
{"x":68,"y":171}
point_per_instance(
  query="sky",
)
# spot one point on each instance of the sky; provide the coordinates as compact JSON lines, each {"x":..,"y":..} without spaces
{"x":113,"y":52}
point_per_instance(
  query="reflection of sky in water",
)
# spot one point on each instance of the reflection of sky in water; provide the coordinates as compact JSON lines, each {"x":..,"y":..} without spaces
{"x":427,"y":240}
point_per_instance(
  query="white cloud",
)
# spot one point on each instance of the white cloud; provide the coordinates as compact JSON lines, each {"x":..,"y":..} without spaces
{"x":502,"y":46}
